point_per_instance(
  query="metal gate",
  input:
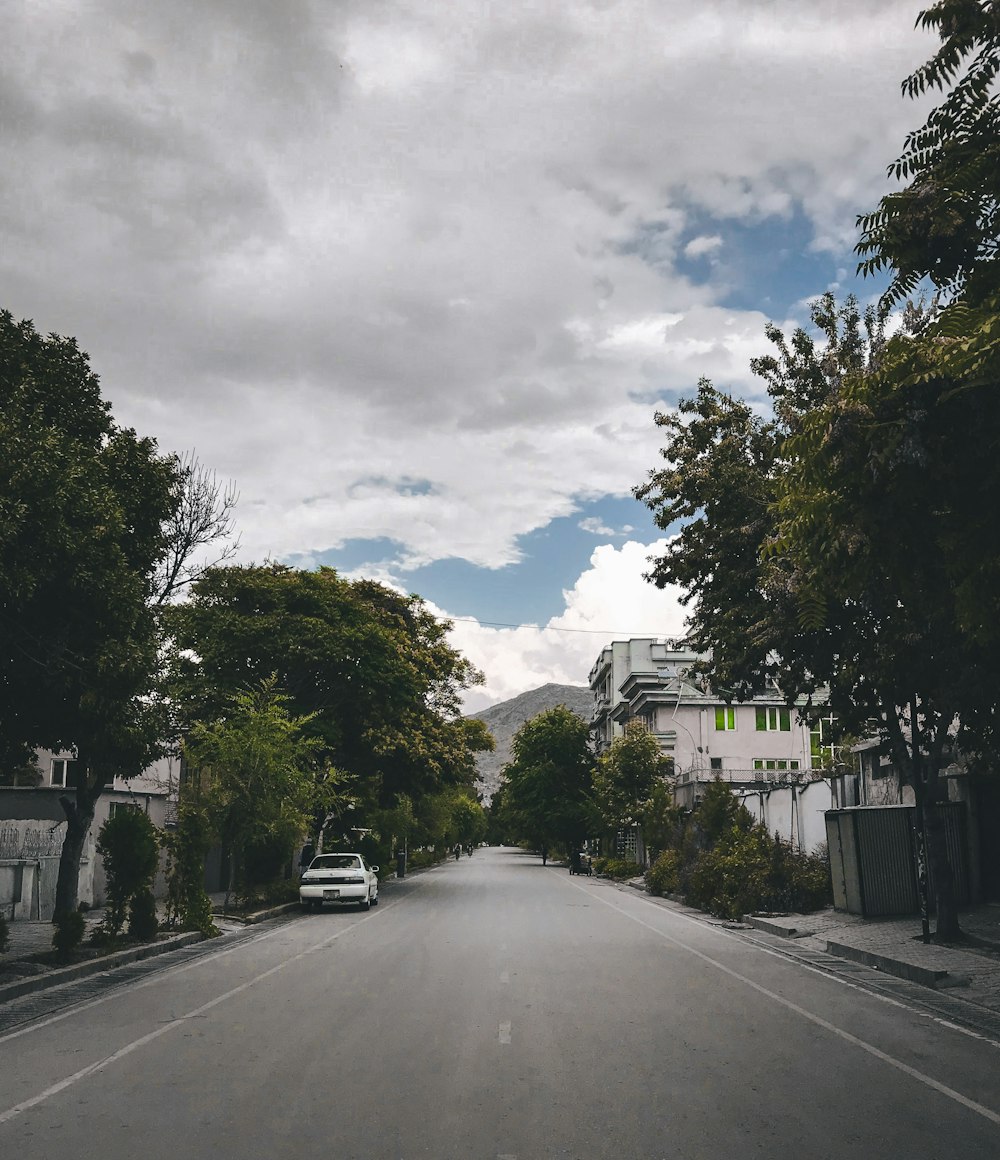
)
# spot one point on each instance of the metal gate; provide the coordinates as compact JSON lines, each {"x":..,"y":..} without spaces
{"x":872,"y":858}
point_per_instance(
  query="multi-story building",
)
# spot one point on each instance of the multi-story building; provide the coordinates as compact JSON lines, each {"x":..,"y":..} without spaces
{"x":750,"y":744}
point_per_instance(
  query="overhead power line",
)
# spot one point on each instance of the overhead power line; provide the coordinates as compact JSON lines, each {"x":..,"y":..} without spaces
{"x":557,"y":628}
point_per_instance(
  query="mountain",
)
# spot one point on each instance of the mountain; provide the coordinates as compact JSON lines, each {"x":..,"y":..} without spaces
{"x":504,"y":719}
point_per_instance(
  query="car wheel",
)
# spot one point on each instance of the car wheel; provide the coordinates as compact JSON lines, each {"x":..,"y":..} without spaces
{"x":365,"y":903}
{"x":375,"y":899}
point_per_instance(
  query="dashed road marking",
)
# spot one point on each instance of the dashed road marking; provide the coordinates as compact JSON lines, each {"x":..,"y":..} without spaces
{"x":505,"y":976}
{"x":505,"y":1032}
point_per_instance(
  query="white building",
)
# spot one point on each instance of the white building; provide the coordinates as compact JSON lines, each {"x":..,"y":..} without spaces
{"x":753,"y":745}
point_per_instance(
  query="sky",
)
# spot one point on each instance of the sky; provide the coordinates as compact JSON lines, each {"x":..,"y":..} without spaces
{"x":417,"y":274}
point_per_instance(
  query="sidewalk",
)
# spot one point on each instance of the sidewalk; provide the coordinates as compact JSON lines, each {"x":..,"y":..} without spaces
{"x":20,"y":973}
{"x":970,"y":971}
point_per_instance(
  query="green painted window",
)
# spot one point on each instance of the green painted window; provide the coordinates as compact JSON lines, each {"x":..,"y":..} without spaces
{"x":725,"y":717}
{"x":774,"y":763}
{"x":771,"y":719}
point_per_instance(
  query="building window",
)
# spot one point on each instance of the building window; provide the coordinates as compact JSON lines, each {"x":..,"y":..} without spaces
{"x":820,"y":747}
{"x":716,"y":764}
{"x":725,"y":717}
{"x":64,"y":772}
{"x":774,"y":763}
{"x":770,"y":719}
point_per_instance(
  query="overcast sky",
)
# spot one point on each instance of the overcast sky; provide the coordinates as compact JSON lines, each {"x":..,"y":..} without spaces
{"x":415,"y":274}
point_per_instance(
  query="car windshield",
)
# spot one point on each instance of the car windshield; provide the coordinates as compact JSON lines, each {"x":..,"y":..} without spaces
{"x":336,"y":862}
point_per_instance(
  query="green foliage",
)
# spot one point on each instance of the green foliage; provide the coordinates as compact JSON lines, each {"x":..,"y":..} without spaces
{"x":256,"y":770}
{"x":129,"y":848}
{"x":143,"y":923}
{"x":627,"y":774}
{"x":70,"y":926}
{"x":545,"y":798}
{"x":616,"y":867}
{"x":187,"y":847}
{"x":371,"y":669}
{"x":663,"y":877}
{"x":84,"y":509}
{"x":727,"y":864}
{"x":662,"y":819}
{"x":945,"y":223}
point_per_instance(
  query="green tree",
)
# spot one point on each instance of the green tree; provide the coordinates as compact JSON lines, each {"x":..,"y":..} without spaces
{"x":626,"y":775}
{"x":256,"y":772}
{"x":84,"y":508}
{"x":549,"y":780}
{"x":841,"y":584}
{"x":372,"y":668}
{"x":944,"y":224}
{"x":130,"y":850}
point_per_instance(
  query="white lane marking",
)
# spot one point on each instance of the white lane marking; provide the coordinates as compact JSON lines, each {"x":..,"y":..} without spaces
{"x":506,"y":1156}
{"x":871,"y":1049}
{"x":504,"y":1036}
{"x":101,"y":1064}
{"x":787,"y":957}
{"x":505,"y":976}
{"x":168,"y":971}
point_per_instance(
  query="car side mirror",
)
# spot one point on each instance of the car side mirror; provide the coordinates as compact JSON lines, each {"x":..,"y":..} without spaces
{"x":374,"y":869}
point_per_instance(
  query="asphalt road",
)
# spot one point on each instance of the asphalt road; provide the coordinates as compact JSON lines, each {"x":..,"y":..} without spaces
{"x":497,"y":1010}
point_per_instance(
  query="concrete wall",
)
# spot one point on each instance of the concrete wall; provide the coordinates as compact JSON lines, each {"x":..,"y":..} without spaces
{"x":795,"y":813}
{"x":32,"y":828}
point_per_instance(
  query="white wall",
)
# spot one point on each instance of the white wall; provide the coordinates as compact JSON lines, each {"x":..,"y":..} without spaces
{"x":795,"y":814}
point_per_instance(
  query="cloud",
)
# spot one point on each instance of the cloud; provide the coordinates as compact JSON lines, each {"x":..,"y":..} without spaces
{"x":609,"y":601}
{"x":702,"y":245}
{"x":335,"y":243}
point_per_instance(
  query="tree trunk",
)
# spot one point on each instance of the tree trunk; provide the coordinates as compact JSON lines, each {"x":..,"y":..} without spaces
{"x":947,"y":928}
{"x":78,"y":822}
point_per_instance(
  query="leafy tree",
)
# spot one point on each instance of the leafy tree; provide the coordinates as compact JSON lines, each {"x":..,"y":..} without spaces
{"x":255,"y":769}
{"x":372,"y":668}
{"x":945,"y":224}
{"x":84,"y":505}
{"x":549,"y":779}
{"x":627,"y":774}
{"x":837,"y":577}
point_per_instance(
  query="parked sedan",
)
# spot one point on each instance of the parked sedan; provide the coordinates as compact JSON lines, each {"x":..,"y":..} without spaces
{"x":339,"y":878}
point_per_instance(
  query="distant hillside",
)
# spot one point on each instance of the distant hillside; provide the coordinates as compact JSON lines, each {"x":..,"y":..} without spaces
{"x":504,"y":720}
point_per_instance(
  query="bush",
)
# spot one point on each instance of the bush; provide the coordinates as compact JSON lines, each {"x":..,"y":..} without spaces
{"x":70,"y":925}
{"x":128,"y":844}
{"x":187,"y":847}
{"x":4,"y":935}
{"x":617,"y":867}
{"x":142,"y":920}
{"x":663,"y":877}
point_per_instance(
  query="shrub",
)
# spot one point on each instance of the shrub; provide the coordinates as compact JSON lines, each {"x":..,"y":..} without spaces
{"x":128,"y":844}
{"x":142,"y":920}
{"x":70,"y":925}
{"x":4,"y":935}
{"x":616,"y":867}
{"x":187,"y":847}
{"x":663,"y":877}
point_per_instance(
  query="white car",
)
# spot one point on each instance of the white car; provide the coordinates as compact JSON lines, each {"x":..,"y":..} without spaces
{"x":339,"y":878}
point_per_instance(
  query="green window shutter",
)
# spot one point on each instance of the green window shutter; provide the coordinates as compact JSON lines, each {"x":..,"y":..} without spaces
{"x":793,"y":765}
{"x":758,"y":763}
{"x":720,"y":717}
{"x":786,"y":720}
{"x":761,"y":719}
{"x":731,"y":717}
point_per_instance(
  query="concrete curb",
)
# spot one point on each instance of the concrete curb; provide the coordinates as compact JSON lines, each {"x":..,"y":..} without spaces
{"x":936,"y":978}
{"x":258,"y":915}
{"x":60,"y":975}
{"x":780,"y":926}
